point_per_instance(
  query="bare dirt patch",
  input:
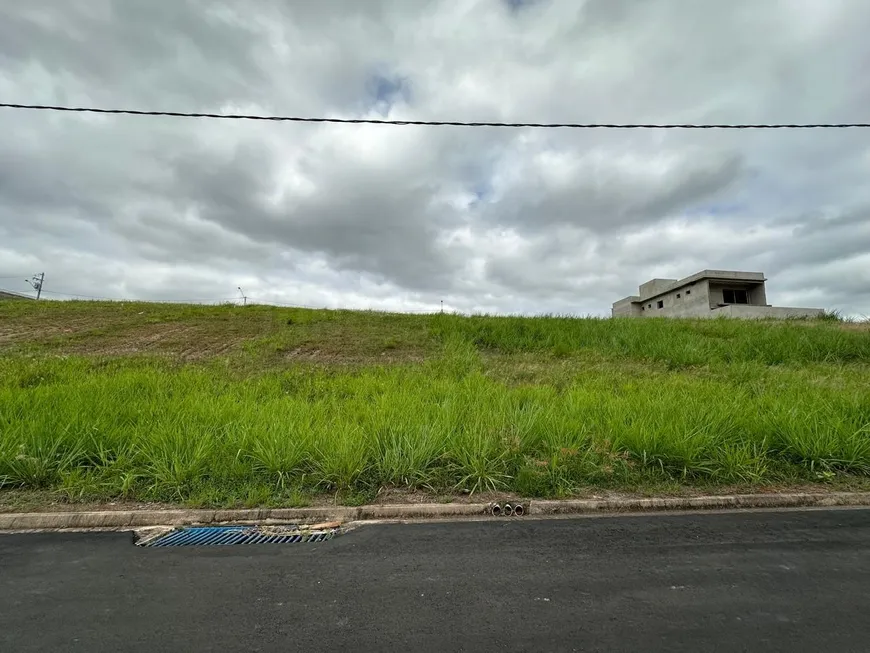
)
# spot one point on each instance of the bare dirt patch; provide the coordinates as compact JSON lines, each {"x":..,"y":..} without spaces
{"x":192,"y":333}
{"x":350,"y":356}
{"x":188,"y":341}
{"x":113,"y":333}
{"x":43,"y":330}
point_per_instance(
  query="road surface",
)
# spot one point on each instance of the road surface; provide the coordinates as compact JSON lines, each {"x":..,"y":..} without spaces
{"x":759,"y":581}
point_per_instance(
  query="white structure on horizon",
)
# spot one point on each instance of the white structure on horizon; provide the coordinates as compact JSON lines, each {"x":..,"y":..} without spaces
{"x":709,"y":293}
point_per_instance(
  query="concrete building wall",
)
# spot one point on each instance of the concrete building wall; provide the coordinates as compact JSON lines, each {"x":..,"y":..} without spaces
{"x":758,"y":296}
{"x":626,"y":308}
{"x":686,"y":301}
{"x":746,"y":312}
{"x":655,"y":286}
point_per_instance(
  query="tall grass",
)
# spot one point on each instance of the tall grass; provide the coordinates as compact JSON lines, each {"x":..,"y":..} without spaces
{"x":153,"y":431}
{"x":677,"y":342}
{"x":605,"y":403}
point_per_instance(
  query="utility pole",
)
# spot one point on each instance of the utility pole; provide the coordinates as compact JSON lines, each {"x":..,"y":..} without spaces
{"x":37,"y":282}
{"x":244,"y":297}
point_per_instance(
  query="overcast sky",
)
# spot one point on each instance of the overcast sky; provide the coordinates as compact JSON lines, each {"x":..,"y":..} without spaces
{"x":400,"y":218}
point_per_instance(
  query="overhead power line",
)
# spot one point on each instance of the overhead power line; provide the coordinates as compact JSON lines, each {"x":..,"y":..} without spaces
{"x":437,"y":123}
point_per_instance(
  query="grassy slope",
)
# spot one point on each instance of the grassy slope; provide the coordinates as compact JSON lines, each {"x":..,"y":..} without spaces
{"x":268,"y":406}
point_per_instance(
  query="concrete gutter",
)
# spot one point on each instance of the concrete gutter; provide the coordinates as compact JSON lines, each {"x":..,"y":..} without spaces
{"x":132,"y":519}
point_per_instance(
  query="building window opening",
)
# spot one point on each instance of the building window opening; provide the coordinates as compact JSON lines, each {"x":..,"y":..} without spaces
{"x":660,"y":303}
{"x":688,"y":292}
{"x":678,"y":295}
{"x":735,"y":297}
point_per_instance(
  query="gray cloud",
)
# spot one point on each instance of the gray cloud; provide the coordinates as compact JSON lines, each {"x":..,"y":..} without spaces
{"x":96,"y":42}
{"x":401,"y":218}
{"x":377,"y":221}
{"x":610,"y":189}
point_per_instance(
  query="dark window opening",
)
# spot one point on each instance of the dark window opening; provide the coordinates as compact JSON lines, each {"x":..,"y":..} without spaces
{"x":678,"y":295}
{"x":688,"y":292}
{"x":735,"y":297}
{"x":660,"y":304}
{"x":649,"y":305}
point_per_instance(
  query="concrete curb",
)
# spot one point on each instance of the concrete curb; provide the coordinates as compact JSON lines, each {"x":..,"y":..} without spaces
{"x":123,"y":519}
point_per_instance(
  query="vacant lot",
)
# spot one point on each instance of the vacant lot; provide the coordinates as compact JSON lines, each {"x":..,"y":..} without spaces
{"x":270,"y":406}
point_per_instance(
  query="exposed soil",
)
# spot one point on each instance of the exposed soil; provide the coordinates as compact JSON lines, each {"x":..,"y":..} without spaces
{"x":104,"y":335}
{"x":183,"y":340}
{"x":208,"y":332}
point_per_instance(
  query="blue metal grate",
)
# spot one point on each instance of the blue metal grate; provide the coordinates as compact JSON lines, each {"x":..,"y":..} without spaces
{"x":227,"y":535}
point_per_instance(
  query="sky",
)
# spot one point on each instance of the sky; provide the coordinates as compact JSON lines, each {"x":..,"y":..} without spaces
{"x":393,"y":218}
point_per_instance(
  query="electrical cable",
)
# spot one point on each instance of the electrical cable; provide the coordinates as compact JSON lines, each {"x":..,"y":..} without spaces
{"x":436,"y":123}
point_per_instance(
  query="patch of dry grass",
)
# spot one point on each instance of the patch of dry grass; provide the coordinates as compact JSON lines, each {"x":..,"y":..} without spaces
{"x":273,"y":335}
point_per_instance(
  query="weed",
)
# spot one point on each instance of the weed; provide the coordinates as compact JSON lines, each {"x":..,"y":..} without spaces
{"x":540,"y":406}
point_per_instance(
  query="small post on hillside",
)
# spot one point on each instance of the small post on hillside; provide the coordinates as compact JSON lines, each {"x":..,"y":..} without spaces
{"x":244,"y":297}
{"x":442,"y":306}
{"x":37,"y":282}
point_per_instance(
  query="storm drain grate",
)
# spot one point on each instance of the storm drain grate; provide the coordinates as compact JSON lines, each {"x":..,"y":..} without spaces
{"x":227,"y":535}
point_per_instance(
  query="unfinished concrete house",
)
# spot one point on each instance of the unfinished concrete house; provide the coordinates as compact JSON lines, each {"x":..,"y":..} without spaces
{"x":710,"y":293}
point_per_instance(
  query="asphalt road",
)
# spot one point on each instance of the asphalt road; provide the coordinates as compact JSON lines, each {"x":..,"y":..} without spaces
{"x":774,"y":581}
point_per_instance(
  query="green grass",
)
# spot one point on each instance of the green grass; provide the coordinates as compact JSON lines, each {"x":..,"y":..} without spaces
{"x":264,"y":406}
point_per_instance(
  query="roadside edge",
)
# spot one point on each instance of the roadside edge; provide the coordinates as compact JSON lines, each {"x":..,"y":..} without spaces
{"x":142,"y":518}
